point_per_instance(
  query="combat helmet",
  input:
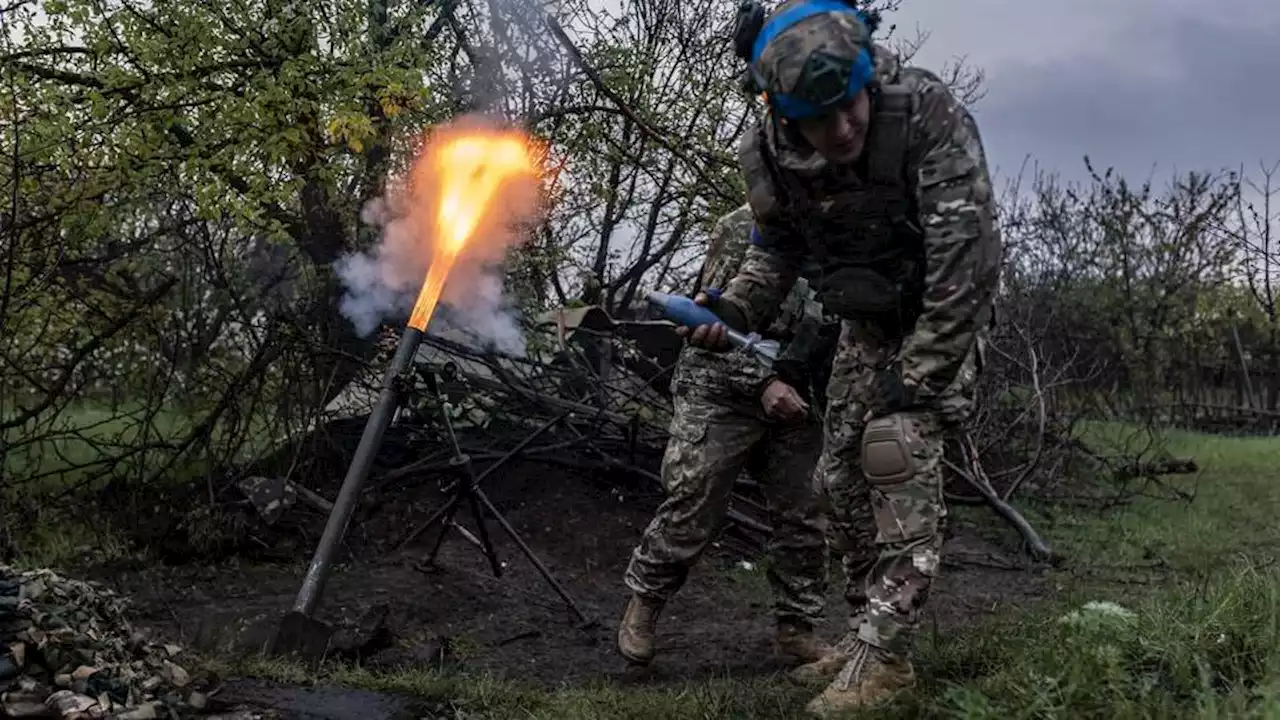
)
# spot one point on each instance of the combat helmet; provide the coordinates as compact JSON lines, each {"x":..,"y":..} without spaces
{"x":807,"y":57}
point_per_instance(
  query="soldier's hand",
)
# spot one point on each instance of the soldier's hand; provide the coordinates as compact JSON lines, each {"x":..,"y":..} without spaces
{"x":709,"y":337}
{"x":782,"y":402}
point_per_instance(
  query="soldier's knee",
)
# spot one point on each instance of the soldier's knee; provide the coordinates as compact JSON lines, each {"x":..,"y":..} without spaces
{"x":887,"y":455}
{"x":900,"y":456}
{"x":834,"y":487}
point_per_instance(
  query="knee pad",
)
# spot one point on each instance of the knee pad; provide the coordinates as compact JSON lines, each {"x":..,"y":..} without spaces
{"x":886,"y":453}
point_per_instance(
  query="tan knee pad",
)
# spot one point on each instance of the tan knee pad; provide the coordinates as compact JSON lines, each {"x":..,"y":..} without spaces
{"x":886,"y":455}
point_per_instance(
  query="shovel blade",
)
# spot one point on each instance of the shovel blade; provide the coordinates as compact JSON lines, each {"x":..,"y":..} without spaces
{"x":302,"y":636}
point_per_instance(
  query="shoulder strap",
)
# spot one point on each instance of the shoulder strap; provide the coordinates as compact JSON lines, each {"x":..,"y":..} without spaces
{"x":887,"y":164}
{"x":783,"y":193}
{"x":764,"y":191}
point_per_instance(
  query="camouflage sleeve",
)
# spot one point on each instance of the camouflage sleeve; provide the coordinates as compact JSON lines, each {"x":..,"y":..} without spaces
{"x":757,"y":291}
{"x":772,"y":260}
{"x":743,"y":374}
{"x":727,"y":245}
{"x":962,"y":241}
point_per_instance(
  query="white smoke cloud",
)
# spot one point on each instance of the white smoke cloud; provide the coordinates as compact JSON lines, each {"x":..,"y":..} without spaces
{"x":487,"y":317}
{"x":382,"y":283}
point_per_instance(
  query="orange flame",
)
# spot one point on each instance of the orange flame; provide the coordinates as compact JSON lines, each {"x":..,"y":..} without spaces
{"x":470,"y":181}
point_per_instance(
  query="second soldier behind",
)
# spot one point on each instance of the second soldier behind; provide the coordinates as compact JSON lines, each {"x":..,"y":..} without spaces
{"x":731,"y":413}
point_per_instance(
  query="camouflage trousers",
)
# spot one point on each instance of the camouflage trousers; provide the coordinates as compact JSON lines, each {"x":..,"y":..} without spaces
{"x":886,"y":509}
{"x":712,"y":441}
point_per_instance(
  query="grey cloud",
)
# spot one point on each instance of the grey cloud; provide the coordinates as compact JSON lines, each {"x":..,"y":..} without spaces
{"x":1218,"y":105}
{"x":1161,"y":87}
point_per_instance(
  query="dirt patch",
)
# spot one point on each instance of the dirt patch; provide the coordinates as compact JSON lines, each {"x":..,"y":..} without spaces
{"x":583,"y":527}
{"x":251,"y":699}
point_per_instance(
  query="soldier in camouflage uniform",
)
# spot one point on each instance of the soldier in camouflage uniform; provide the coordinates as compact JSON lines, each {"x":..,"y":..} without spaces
{"x":732,"y":413}
{"x":869,"y":179}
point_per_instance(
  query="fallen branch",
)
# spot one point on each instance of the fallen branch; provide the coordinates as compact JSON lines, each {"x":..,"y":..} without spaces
{"x":1042,"y":417}
{"x":313,"y":499}
{"x":977,"y":478}
{"x":1163,"y":466}
{"x":550,"y":401}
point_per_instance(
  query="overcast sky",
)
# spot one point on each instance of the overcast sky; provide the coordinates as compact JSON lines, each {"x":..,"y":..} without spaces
{"x":1143,"y":85}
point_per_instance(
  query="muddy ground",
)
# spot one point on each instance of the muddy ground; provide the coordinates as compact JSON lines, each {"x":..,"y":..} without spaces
{"x":583,"y":526}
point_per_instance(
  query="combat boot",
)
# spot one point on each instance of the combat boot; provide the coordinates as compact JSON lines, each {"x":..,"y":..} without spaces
{"x":636,"y":631}
{"x":798,"y":644}
{"x":828,"y":664}
{"x":870,"y":678}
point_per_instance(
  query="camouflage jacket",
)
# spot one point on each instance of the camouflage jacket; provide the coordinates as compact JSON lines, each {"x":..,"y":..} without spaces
{"x":938,"y":199}
{"x":798,"y":327}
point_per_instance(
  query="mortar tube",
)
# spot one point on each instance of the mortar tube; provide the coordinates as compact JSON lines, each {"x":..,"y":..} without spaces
{"x":370,"y":441}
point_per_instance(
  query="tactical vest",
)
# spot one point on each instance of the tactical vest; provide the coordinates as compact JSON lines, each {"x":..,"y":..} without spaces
{"x":866,"y":248}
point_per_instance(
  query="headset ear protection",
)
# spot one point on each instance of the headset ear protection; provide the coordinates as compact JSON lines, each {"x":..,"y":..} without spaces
{"x":746,"y":28}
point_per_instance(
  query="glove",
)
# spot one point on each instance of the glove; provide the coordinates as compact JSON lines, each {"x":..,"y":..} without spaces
{"x":890,"y":393}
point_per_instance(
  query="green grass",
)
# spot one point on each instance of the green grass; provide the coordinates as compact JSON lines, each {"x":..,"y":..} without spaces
{"x":479,"y":696}
{"x":86,"y":433}
{"x":1236,"y":496}
{"x":47,"y":479}
{"x":1189,"y":650}
{"x":72,"y":446}
{"x":1168,"y":609}
{"x":1198,"y":578}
